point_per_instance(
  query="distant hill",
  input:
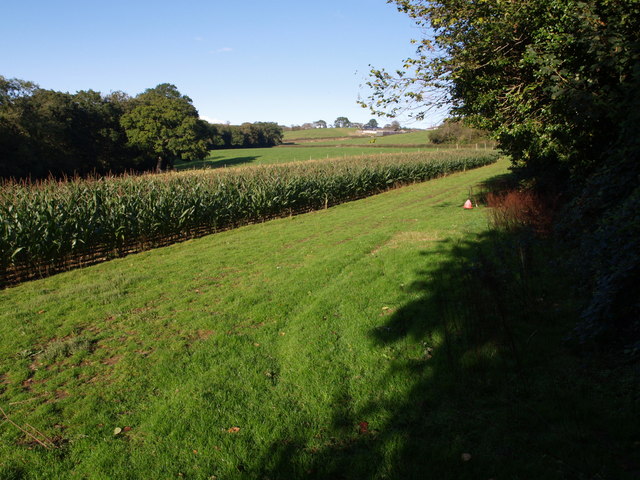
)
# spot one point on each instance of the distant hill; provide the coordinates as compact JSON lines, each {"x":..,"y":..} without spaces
{"x":319,"y":133}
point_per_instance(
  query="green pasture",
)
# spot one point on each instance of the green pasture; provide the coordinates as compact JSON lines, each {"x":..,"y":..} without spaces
{"x":349,"y":136}
{"x":390,"y":337}
{"x":281,"y":154}
{"x":420,"y":138}
{"x":316,"y":133}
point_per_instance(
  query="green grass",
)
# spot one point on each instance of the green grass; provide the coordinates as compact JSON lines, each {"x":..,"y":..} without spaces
{"x":317,"y":144}
{"x":281,"y":154}
{"x":316,"y":133}
{"x":420,"y":138}
{"x":345,"y":343}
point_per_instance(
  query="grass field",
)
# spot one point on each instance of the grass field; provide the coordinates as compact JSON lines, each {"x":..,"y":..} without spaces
{"x":412,"y":138}
{"x":345,"y":343}
{"x":281,"y":154}
{"x":316,"y":133}
{"x":349,"y":136}
{"x":316,"y":144}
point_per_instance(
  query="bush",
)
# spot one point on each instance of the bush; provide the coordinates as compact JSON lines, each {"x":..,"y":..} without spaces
{"x":456,"y":132}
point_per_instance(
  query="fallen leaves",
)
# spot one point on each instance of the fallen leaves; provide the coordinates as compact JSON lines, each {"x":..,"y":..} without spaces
{"x":387,"y":311}
{"x":234,"y":430}
{"x":363,"y":428}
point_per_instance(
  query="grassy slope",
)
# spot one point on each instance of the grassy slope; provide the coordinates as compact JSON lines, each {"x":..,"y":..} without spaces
{"x":281,"y":154}
{"x":411,"y":138}
{"x":312,"y":145}
{"x":318,"y":133}
{"x":295,"y":331}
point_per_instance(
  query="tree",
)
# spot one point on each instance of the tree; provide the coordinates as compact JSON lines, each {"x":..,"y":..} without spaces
{"x":271,"y":133}
{"x":455,"y":131}
{"x":342,"y":122}
{"x":373,"y":123}
{"x":165,"y":123}
{"x":44,"y":132}
{"x":556,"y":83}
{"x":259,"y":134}
{"x":320,"y":124}
{"x":545,"y":76}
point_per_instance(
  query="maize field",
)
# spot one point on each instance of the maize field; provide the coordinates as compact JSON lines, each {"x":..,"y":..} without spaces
{"x":50,"y":226}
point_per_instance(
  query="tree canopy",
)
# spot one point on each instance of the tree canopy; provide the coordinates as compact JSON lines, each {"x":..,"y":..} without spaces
{"x":45,"y":132}
{"x":342,"y":122}
{"x":166,"y":123}
{"x":247,"y":135}
{"x":556,"y":83}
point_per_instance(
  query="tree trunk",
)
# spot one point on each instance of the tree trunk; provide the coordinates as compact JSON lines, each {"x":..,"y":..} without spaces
{"x":160,"y":165}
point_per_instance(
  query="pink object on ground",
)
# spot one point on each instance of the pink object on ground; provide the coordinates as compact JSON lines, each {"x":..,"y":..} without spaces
{"x":468,"y":205}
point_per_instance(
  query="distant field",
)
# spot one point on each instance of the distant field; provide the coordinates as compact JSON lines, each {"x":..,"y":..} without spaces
{"x":316,"y":144}
{"x":411,"y":138}
{"x":349,"y":136}
{"x":282,"y":154}
{"x":319,"y":133}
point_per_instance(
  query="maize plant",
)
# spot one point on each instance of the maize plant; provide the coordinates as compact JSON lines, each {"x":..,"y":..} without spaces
{"x":48,"y":226}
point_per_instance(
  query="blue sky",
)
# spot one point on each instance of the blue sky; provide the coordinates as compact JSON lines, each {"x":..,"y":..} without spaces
{"x":256,"y":60}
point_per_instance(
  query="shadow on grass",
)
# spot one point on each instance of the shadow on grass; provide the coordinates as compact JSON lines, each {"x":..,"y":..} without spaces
{"x":216,"y":162}
{"x":490,"y":392}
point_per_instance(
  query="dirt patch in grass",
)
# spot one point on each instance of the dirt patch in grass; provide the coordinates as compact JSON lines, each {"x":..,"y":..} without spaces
{"x":145,"y":353}
{"x":30,"y":383}
{"x":241,"y":327}
{"x":199,"y":335}
{"x":204,"y":334}
{"x":61,"y":394}
{"x":142,"y":309}
{"x":112,"y":360}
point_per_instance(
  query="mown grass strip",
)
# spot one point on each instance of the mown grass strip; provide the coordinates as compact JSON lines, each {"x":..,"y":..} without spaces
{"x":49,"y":226}
{"x":362,"y":341}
